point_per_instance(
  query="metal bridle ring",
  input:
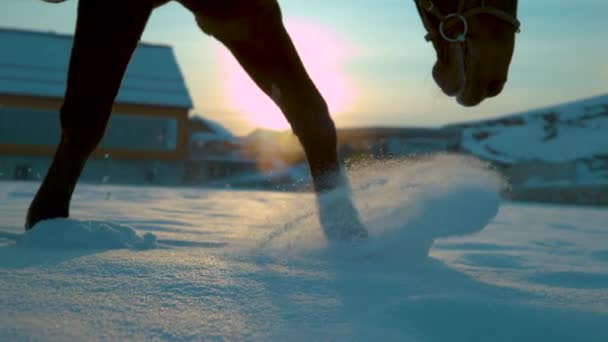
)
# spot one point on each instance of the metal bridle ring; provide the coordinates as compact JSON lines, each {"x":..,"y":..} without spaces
{"x":462,"y":36}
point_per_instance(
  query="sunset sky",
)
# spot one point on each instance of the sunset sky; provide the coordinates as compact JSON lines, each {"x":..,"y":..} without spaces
{"x":369,"y":59}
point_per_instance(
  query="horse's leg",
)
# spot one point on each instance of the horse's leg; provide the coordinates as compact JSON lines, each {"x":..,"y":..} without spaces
{"x":106,"y":35}
{"x":255,"y":35}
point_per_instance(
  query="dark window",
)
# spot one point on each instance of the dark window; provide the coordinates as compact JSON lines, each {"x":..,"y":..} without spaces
{"x":22,"y":172}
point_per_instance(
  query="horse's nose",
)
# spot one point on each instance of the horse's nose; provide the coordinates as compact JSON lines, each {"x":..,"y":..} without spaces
{"x":495,"y":87}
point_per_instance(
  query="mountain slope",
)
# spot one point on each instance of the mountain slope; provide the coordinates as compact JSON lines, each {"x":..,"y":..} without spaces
{"x":568,"y":132}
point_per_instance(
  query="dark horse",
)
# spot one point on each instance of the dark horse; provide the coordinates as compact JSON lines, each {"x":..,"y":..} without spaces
{"x":474,"y":41}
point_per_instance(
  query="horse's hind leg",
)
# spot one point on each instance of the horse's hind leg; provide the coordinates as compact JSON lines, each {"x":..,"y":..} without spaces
{"x":106,"y":35}
{"x":255,"y":35}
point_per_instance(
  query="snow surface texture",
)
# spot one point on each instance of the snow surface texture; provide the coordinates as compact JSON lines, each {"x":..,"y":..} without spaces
{"x":248,"y":265}
{"x":65,"y":233}
{"x":566,"y":132}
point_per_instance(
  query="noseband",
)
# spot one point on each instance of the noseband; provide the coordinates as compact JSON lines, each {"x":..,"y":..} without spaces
{"x":450,"y":19}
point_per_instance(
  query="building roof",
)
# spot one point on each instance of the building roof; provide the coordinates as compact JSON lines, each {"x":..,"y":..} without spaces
{"x":35,"y":64}
{"x":205,"y":130}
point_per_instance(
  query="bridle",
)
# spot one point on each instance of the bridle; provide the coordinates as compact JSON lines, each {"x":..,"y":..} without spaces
{"x":449,"y":20}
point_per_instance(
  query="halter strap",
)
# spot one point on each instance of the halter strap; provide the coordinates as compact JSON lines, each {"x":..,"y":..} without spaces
{"x":498,"y":13}
{"x":430,"y":7}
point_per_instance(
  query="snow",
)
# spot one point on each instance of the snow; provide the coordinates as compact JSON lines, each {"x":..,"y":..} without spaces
{"x":66,"y":234}
{"x":446,"y":261}
{"x":577,"y":132}
{"x":526,"y":142}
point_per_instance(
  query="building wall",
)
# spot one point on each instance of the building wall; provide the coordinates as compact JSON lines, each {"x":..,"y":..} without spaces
{"x":407,"y":146}
{"x":596,"y":195}
{"x":142,"y":144}
{"x":146,"y":139}
{"x":546,"y":172}
{"x":98,"y":171}
{"x":30,"y":126}
{"x":397,"y":141}
{"x":203,"y":171}
{"x":27,"y":126}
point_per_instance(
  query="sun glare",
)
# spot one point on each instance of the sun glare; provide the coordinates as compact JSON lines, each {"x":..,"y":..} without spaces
{"x":324,"y":56}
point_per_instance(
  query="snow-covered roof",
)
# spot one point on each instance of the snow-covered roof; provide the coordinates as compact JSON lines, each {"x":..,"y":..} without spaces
{"x":217,"y":128}
{"x":215,"y":132}
{"x":35,"y":64}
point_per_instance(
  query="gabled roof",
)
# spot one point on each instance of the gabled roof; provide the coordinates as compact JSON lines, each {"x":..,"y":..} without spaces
{"x":203,"y":124}
{"x":205,"y":130}
{"x":35,"y":64}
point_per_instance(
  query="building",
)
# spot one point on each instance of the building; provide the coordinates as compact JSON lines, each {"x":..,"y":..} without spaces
{"x":146,"y":140}
{"x":538,"y":172}
{"x":214,"y":154}
{"x":397,"y":141}
{"x":583,"y":181}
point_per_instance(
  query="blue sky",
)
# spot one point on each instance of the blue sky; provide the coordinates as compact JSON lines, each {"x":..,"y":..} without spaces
{"x":561,"y":54}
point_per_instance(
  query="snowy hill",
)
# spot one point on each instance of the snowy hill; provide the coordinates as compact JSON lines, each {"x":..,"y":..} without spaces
{"x":565,"y":144}
{"x":567,"y":132}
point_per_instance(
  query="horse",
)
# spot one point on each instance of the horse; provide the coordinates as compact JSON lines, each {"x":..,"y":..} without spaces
{"x":473,"y":40}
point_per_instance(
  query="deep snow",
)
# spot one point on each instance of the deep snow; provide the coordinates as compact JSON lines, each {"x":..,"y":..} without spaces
{"x":189,"y":264}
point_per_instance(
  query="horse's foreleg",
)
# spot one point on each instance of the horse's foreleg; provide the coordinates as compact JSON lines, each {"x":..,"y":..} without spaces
{"x":264,"y":49}
{"x":262,"y":46}
{"x":106,"y":35}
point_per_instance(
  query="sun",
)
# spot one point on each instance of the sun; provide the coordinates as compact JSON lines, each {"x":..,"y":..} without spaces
{"x":324,"y":55}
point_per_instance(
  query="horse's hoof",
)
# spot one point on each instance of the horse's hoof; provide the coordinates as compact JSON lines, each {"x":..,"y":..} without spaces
{"x":31,"y":219}
{"x":39,"y":212}
{"x":352,"y":232}
{"x":340,"y":220}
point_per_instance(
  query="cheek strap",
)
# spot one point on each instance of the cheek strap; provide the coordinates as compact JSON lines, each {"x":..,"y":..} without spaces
{"x":449,"y":20}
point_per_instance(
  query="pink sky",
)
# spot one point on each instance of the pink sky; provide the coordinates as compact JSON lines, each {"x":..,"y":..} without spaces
{"x":324,"y":54}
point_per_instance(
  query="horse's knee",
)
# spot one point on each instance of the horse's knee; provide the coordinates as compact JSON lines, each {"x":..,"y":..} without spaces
{"x":317,"y":134}
{"x":310,"y":122}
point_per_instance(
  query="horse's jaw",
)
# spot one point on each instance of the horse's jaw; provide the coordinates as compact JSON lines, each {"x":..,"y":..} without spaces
{"x":449,"y":73}
{"x":461,"y":75}
{"x":456,"y":77}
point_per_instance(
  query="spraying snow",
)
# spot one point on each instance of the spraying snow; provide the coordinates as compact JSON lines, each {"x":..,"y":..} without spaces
{"x":404,"y":204}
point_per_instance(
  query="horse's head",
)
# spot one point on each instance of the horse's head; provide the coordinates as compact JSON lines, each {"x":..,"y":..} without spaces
{"x":474,"y":41}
